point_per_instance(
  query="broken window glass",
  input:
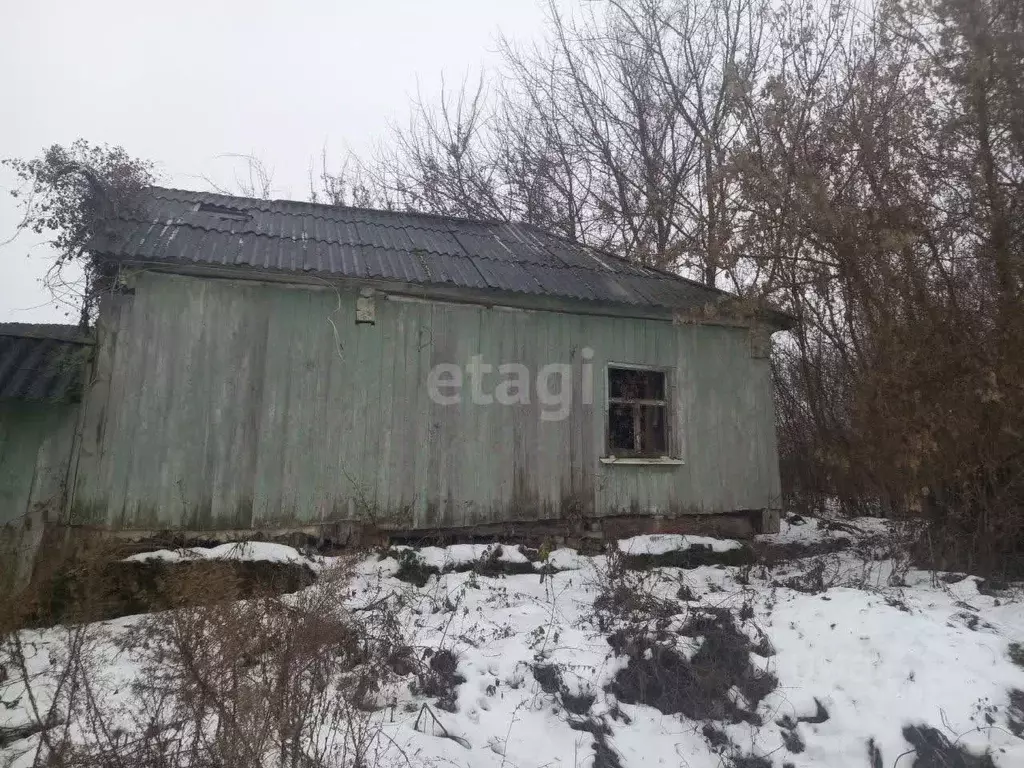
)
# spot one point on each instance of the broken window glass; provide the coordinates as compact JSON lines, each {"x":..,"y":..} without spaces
{"x":637,"y":413}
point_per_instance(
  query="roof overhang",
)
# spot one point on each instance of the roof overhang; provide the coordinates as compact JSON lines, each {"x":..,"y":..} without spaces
{"x":720,"y":314}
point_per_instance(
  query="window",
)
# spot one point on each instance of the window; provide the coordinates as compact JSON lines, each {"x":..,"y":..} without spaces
{"x":637,"y":413}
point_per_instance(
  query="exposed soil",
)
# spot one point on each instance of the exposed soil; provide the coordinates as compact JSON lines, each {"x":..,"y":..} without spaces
{"x":412,"y":569}
{"x":107,"y":590}
{"x":604,"y":755}
{"x":440,"y":679}
{"x":549,"y":676}
{"x":768,"y":553}
{"x":660,"y":676}
{"x":1015,"y":713}
{"x":934,"y":750}
{"x":692,"y":557}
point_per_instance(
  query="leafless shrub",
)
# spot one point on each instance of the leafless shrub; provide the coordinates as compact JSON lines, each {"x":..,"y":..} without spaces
{"x":93,"y":581}
{"x":42,"y":673}
{"x":271,"y":680}
{"x":630,"y":598}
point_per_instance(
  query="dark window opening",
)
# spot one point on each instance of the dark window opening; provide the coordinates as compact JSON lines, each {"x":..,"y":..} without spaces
{"x":637,"y":413}
{"x":223,"y":211}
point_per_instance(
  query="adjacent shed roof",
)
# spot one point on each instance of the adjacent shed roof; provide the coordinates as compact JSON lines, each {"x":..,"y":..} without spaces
{"x":201,"y":228}
{"x":42,"y":362}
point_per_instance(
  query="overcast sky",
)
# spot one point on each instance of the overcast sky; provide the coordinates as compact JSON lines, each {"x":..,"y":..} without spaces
{"x":184,"y":83}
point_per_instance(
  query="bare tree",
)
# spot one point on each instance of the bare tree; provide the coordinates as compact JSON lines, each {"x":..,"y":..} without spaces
{"x":860,"y":165}
{"x":882,"y":182}
{"x":252,"y":177}
{"x":618,"y":131}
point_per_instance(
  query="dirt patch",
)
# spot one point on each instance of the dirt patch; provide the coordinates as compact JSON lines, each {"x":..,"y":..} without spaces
{"x":792,"y":742}
{"x":788,"y":725}
{"x":493,"y":565}
{"x":1015,"y":713}
{"x":660,"y":676}
{"x":934,"y":750}
{"x":820,"y":716}
{"x":874,"y":755}
{"x":716,"y":738}
{"x":412,"y":569}
{"x":996,"y":588}
{"x":686,"y":595}
{"x":440,"y":679}
{"x":577,"y":704}
{"x":1016,"y":653}
{"x":749,"y":761}
{"x":773,"y":554}
{"x":549,"y":676}
{"x":402,"y":660}
{"x":604,"y":755}
{"x":692,"y":557}
{"x":97,"y":591}
{"x":592,"y":725}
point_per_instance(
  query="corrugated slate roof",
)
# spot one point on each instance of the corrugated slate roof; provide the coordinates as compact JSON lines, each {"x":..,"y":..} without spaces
{"x":182,"y":227}
{"x":42,"y":362}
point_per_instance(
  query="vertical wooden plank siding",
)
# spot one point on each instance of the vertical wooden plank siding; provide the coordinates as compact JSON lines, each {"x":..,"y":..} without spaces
{"x":35,"y":447}
{"x":230,"y":404}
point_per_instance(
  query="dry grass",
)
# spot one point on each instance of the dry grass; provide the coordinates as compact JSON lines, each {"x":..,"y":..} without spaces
{"x":268,"y":680}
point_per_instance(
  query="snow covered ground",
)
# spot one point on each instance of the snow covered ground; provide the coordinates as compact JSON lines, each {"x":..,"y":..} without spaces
{"x":849,"y":655}
{"x":236,"y":550}
{"x":660,"y":544}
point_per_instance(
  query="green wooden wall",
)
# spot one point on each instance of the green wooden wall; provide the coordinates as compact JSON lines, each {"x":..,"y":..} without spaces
{"x":230,"y":404}
{"x":35,"y":444}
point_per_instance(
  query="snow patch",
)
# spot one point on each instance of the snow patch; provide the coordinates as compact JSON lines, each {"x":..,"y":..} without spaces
{"x":663,"y":543}
{"x":568,"y":559}
{"x":238,"y":551}
{"x":457,"y":555}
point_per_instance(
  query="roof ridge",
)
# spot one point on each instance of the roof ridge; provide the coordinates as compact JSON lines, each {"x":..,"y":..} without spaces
{"x":143,"y":219}
{"x":417,"y":250}
{"x":256,"y":201}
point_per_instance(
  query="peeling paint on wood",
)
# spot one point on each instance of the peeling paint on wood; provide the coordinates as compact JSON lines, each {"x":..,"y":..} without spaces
{"x":236,"y":404}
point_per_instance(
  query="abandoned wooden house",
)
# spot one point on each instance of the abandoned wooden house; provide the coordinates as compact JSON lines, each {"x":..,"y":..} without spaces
{"x":270,"y":366}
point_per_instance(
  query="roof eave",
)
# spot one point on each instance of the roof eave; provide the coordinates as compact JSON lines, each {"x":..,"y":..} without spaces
{"x":434,"y":291}
{"x":742,"y":310}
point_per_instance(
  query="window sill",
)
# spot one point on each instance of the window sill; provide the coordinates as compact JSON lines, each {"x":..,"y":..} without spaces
{"x":656,"y":461}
